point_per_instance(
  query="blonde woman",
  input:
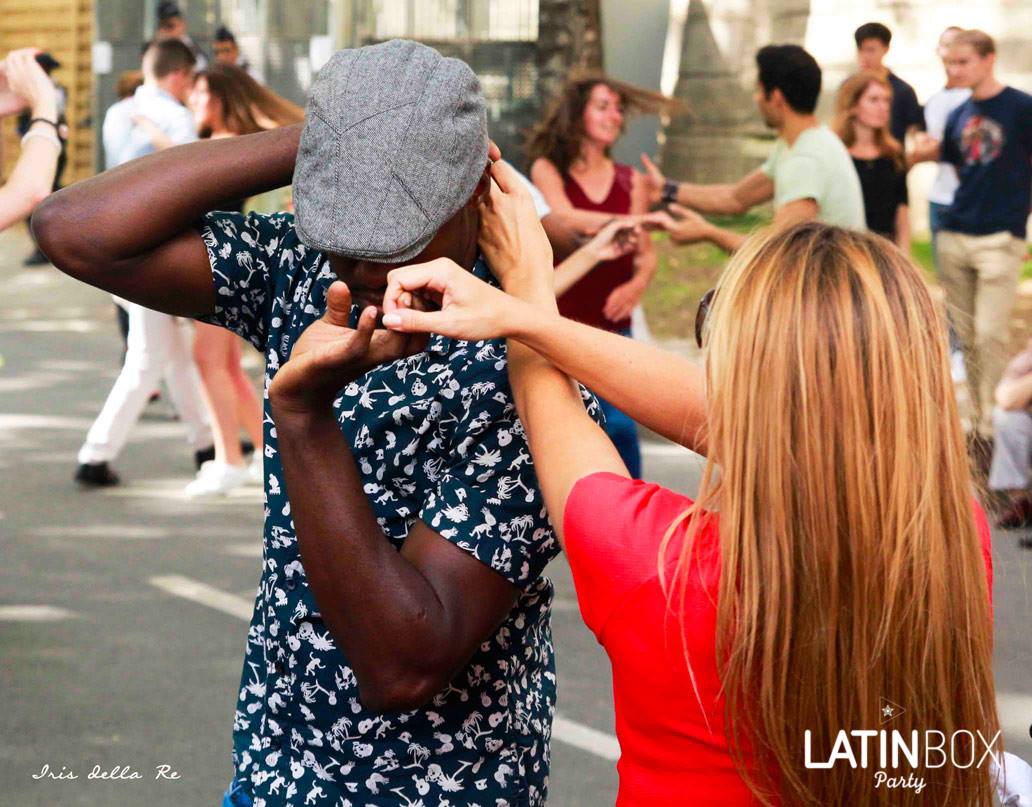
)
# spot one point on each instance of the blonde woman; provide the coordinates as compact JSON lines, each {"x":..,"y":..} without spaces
{"x":835,"y":562}
{"x":863,"y":109}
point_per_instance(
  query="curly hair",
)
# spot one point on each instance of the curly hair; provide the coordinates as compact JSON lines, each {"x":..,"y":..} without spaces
{"x":559,"y":134}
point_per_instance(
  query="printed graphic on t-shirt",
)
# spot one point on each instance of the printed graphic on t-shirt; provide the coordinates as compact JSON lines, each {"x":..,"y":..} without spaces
{"x":981,"y":141}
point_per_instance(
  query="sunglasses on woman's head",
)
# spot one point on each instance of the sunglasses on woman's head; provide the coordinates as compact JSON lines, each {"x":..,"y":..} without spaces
{"x":700,"y":316}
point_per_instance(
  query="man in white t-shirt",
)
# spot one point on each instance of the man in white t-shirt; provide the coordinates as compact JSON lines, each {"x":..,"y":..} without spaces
{"x":937,"y":109}
{"x":809,"y":175}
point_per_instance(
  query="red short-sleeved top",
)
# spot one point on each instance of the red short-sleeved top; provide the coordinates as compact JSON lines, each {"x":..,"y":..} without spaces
{"x":669,"y":754}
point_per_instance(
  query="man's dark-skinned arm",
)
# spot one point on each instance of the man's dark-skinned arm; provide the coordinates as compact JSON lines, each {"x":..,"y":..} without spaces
{"x":407,"y":621}
{"x":130,"y":230}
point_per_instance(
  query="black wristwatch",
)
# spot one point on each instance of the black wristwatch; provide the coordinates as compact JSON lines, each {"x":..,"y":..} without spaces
{"x":669,"y":191}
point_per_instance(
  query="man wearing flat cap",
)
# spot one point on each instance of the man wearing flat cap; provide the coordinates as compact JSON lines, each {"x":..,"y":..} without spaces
{"x":400,"y":649}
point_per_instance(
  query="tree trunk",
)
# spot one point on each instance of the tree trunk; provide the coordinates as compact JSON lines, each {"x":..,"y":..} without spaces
{"x":569,"y":38}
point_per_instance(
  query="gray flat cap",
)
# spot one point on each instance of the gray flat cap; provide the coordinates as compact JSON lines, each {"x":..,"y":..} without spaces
{"x":395,"y":141}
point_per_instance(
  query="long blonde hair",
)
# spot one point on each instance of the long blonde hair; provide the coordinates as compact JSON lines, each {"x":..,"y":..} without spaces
{"x":844,"y":120}
{"x":851,"y":565}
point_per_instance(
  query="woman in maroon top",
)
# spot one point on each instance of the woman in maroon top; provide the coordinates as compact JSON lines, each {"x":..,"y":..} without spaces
{"x":571,"y":165}
{"x":835,"y":565}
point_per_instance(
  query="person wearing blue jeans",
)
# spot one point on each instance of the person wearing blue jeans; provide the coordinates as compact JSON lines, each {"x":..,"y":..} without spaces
{"x":624,"y":433}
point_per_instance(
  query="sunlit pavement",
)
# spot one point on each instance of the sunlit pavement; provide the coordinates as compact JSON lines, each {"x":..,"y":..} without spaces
{"x":123,"y":612}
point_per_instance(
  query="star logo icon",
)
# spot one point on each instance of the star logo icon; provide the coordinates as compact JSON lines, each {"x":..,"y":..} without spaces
{"x":889,"y":710}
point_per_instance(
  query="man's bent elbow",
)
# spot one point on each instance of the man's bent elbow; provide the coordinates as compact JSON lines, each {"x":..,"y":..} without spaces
{"x":53,"y":227}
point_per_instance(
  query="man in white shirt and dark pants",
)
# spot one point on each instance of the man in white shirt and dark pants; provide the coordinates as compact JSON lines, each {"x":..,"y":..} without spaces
{"x":937,"y":108}
{"x":157,"y":344}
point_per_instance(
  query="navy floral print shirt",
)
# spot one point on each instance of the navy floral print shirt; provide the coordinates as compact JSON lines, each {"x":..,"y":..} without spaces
{"x":436,"y":438}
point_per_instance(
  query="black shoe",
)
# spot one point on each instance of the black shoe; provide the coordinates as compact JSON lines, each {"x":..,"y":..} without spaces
{"x":37,"y":258}
{"x":96,"y":475}
{"x":203,"y":455}
{"x":208,"y":454}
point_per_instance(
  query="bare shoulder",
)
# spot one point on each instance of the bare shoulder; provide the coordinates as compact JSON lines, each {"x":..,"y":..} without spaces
{"x":543,"y":169}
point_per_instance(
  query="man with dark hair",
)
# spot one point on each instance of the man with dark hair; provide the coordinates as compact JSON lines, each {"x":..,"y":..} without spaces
{"x":400,"y":650}
{"x":872,"y":43}
{"x":172,"y":25}
{"x":227,"y":52}
{"x":809,"y":175}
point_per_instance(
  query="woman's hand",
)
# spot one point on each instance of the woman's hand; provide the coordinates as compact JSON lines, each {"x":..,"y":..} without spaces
{"x":687,"y":228}
{"x":511,"y":236}
{"x":329,"y":355}
{"x":28,"y":81}
{"x":622,"y":299}
{"x":469,"y":308}
{"x":617,"y":238}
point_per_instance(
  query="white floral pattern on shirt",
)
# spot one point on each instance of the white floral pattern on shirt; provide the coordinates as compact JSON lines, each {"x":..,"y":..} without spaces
{"x":435,"y":437}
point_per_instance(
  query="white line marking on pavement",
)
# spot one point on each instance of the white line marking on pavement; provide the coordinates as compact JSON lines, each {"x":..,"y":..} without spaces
{"x":586,"y":738}
{"x":102,"y":531}
{"x":567,"y":731}
{"x":174,"y":489}
{"x":12,"y":422}
{"x":205,"y":595}
{"x":244,"y":550}
{"x":33,"y":613}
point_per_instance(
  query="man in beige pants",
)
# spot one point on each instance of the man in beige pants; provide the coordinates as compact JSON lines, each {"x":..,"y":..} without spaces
{"x":980,"y":276}
{"x":981,"y":247}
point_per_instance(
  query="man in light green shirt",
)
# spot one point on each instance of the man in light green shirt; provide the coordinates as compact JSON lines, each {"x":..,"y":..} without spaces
{"x":809,"y":175}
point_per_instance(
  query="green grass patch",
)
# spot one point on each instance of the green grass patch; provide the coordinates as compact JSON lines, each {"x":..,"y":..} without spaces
{"x":685,"y":273}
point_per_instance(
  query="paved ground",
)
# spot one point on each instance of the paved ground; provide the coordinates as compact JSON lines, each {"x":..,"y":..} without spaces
{"x":122,"y":613}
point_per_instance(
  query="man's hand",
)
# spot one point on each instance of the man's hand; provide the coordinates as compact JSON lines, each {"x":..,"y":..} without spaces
{"x":924,"y":149}
{"x":654,"y":180}
{"x":622,"y":299}
{"x":688,"y":226}
{"x":616,"y":239}
{"x":330,"y":355}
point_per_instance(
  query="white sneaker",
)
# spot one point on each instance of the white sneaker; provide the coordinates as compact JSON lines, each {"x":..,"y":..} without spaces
{"x":216,"y":479}
{"x":256,"y":470}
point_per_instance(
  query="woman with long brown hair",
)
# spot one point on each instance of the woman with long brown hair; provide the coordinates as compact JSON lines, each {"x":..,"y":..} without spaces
{"x":833,"y":575}
{"x":227,"y":102}
{"x":863,"y":108}
{"x":572,"y":166}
